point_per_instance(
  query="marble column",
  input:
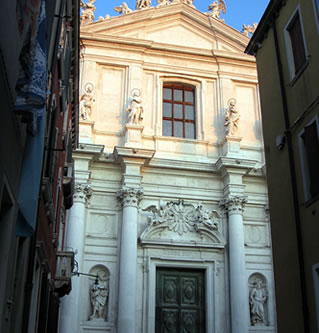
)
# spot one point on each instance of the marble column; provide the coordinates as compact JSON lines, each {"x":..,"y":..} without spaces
{"x":130,"y":198}
{"x":69,"y":310}
{"x":238,"y":280}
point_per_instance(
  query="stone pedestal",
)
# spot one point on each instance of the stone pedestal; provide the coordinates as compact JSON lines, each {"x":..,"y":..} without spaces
{"x":69,"y":310}
{"x":238,"y":281}
{"x":86,"y":131}
{"x":231,"y":146}
{"x":133,"y":136}
{"x":130,"y":197}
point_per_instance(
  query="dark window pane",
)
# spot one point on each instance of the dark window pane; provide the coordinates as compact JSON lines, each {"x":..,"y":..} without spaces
{"x":178,"y":111}
{"x":178,"y":129}
{"x":167,"y":109}
{"x":297,"y":43}
{"x":311,"y":143}
{"x":189,"y":96}
{"x":178,"y":95}
{"x":167,"y":128}
{"x":167,"y":93}
{"x":190,"y":130}
{"x":189,"y":112}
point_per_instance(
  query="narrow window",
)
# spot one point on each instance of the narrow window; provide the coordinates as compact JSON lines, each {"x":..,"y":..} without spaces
{"x":297,"y":43}
{"x":179,"y":111}
{"x":311,"y":151}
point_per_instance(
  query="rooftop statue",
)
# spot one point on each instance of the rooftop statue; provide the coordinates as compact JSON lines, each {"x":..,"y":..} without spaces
{"x":248,"y":29}
{"x":216,"y":8}
{"x":162,"y":3}
{"x":123,"y":9}
{"x":140,"y":4}
{"x":88,"y":10}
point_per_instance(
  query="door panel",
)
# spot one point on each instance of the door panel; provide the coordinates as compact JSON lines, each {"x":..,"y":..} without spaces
{"x":180,"y":301}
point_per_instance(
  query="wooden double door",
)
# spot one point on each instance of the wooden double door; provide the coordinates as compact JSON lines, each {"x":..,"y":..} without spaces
{"x":180,"y":301}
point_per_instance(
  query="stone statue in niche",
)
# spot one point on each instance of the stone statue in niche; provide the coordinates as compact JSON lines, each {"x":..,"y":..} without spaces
{"x":86,"y":101}
{"x":140,"y":4}
{"x":123,"y":9}
{"x":257,"y":299}
{"x":216,"y":8}
{"x":135,"y":108}
{"x":88,"y":10}
{"x":99,"y":295}
{"x":248,"y":30}
{"x":231,"y":118}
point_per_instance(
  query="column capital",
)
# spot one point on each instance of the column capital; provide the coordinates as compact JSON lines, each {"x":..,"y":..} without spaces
{"x":130,"y":196}
{"x":234,"y":204}
{"x":82,"y":193}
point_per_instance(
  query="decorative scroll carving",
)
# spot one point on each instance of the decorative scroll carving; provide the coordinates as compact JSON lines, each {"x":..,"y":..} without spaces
{"x":123,"y":9}
{"x":231,"y":118}
{"x":140,"y":4}
{"x":135,"y":108}
{"x":184,"y":220}
{"x":88,"y":10}
{"x":86,"y":101}
{"x":216,"y":8}
{"x":130,"y":196}
{"x":82,"y":192}
{"x":248,"y":30}
{"x":234,"y":204}
{"x":258,"y":296}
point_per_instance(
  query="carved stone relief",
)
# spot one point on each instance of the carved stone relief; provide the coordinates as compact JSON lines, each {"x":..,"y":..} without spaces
{"x":183,"y":220}
{"x":258,"y":297}
{"x":82,"y":192}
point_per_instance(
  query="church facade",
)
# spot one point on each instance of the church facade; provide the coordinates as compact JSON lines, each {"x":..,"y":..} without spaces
{"x":170,"y":218}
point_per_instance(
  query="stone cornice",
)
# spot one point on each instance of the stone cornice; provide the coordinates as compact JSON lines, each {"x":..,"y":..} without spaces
{"x":139,"y":153}
{"x":236,"y":165}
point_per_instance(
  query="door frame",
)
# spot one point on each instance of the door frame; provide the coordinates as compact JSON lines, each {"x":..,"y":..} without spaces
{"x":154,"y":262}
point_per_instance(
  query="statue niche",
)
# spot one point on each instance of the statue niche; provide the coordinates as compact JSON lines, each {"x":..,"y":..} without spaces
{"x":99,"y":293}
{"x":258,"y":297}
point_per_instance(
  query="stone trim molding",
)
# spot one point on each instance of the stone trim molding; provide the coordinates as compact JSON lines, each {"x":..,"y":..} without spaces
{"x":82,"y":193}
{"x":130,"y":196}
{"x":234,"y":204}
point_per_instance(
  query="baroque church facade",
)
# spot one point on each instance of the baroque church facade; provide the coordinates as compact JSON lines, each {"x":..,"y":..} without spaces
{"x":170,"y":220}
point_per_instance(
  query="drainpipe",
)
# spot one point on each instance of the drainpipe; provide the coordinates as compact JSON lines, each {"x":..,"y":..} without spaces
{"x":293,"y":182}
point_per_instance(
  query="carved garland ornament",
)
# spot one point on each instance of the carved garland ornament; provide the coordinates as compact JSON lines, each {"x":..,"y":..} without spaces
{"x":183,"y":218}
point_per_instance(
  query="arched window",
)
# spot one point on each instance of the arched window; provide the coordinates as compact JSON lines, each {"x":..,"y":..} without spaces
{"x":179,"y":111}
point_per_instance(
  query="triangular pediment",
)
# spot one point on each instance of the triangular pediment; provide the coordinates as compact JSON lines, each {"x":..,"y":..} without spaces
{"x":179,"y":25}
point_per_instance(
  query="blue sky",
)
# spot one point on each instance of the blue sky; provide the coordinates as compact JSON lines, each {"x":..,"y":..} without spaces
{"x":239,"y":12}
